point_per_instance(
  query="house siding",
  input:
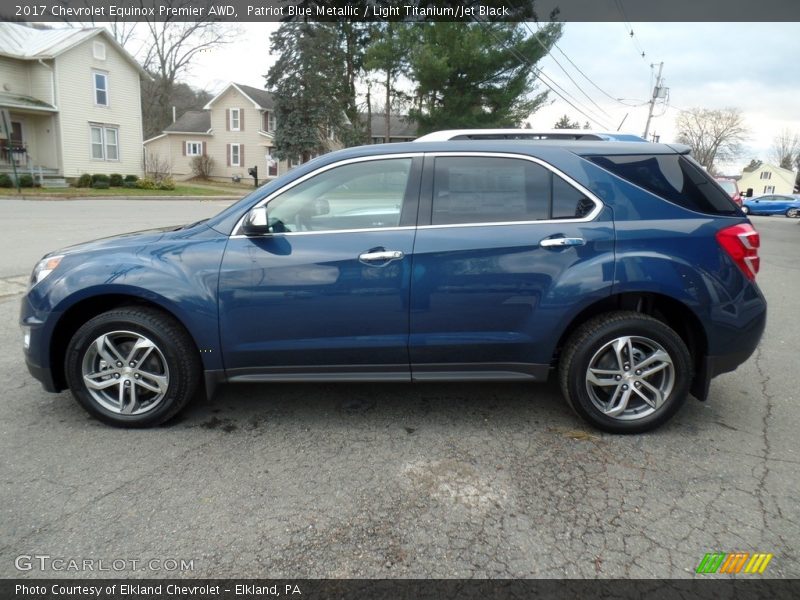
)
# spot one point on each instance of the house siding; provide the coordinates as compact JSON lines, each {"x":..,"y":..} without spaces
{"x":41,"y":81}
{"x":170,"y":148}
{"x":14,"y":73}
{"x":76,"y":104}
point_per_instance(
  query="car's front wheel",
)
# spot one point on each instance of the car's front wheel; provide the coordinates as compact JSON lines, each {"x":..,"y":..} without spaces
{"x":745,"y":210}
{"x":132,"y":367}
{"x":625,"y":372}
{"x":793,"y":213}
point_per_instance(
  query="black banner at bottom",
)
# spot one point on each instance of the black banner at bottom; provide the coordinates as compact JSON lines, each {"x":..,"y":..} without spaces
{"x":397,"y":589}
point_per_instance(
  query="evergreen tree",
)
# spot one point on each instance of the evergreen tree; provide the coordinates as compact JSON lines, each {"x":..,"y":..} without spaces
{"x":309,"y":84}
{"x":565,"y":123}
{"x":475,"y":75}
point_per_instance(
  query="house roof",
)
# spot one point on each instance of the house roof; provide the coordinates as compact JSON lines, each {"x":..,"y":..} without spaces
{"x":399,"y":126}
{"x":260,"y":98}
{"x":22,"y":102}
{"x":29,"y":43}
{"x":192,"y":121}
{"x":763,"y":166}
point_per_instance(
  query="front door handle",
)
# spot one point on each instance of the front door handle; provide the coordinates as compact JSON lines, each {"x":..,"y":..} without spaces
{"x":381,"y":256}
{"x":560,"y":242}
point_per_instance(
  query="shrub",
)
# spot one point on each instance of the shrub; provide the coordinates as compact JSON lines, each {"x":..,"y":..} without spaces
{"x":25,"y":180}
{"x":100,"y":185}
{"x":202,"y":166}
{"x":130,"y":184}
{"x":147,"y":183}
{"x":167,"y":184}
{"x":5,"y":181}
{"x":99,"y":177}
{"x":115,"y":180}
{"x":131,"y":178}
{"x":84,"y":181}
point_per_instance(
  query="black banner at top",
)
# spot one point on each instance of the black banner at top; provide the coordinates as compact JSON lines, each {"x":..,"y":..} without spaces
{"x":100,"y":11}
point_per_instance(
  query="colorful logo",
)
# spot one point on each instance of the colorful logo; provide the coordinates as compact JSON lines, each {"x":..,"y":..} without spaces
{"x":734,"y":562}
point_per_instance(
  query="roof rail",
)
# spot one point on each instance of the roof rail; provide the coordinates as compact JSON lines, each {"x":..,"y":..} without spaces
{"x":528,"y":134}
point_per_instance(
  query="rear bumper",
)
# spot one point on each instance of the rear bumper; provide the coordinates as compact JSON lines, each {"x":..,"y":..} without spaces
{"x":716,"y":364}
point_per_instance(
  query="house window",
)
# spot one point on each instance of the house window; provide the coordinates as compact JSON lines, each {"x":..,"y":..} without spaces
{"x":99,"y":50}
{"x":236,"y":154}
{"x":769,"y":189}
{"x":766,"y":174}
{"x":194,"y":148}
{"x":100,"y":88}
{"x":235,"y":120}
{"x":270,"y":123}
{"x":104,"y":142}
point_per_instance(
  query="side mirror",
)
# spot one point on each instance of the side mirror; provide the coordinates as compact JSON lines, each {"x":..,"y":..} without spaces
{"x":749,"y":193}
{"x":256,"y":222}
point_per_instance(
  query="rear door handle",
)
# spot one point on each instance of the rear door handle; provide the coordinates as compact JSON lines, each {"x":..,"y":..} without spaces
{"x":381,"y":256}
{"x":560,"y":242}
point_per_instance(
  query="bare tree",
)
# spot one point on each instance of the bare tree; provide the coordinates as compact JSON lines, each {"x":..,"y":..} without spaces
{"x":785,"y":149}
{"x":170,"y":47}
{"x":713,"y":134}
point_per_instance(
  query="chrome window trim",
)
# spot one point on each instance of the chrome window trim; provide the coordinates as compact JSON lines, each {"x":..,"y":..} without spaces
{"x":598,"y":204}
{"x":314,"y":173}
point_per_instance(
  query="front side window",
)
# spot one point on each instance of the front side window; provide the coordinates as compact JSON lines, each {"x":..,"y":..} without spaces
{"x":472,"y":189}
{"x":766,"y":175}
{"x":100,"y":88}
{"x":363,"y":195}
{"x":270,"y":122}
{"x":104,"y":142}
{"x":235,"y":120}
{"x":236,"y":155}
{"x":769,"y":189}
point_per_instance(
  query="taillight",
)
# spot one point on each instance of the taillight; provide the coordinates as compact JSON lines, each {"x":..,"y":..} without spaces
{"x":741,"y":242}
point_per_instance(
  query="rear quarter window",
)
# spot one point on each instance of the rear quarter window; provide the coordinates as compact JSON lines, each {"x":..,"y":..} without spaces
{"x":673,"y":177}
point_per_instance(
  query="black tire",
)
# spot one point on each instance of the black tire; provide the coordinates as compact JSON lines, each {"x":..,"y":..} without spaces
{"x":591,"y":341}
{"x":173,"y":358}
{"x":745,"y":210}
{"x":793,"y":213}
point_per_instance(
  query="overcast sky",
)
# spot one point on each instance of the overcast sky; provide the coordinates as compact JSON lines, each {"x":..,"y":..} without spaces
{"x":751,"y":66}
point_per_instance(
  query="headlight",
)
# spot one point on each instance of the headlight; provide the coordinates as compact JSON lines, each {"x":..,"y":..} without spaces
{"x":44,"y":267}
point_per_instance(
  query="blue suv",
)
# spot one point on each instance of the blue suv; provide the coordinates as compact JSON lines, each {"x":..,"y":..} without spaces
{"x":620,"y":266}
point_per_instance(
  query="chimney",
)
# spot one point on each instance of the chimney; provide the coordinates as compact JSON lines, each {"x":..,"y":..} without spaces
{"x":173,"y":114}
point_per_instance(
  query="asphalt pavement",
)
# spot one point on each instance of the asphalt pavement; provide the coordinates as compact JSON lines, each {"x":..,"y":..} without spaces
{"x":392,"y":480}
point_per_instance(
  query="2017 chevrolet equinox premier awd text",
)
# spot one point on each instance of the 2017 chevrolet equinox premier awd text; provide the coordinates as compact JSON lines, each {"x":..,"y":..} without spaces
{"x":620,"y":266}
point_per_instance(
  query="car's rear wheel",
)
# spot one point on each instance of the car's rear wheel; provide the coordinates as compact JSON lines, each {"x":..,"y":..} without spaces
{"x":132,"y":367}
{"x":625,"y":372}
{"x":793,"y":213}
{"x":745,"y":210}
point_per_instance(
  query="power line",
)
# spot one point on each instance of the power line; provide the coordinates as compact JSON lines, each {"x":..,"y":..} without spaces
{"x":629,"y":30}
{"x":589,"y":79}
{"x":552,"y":85}
{"x":546,"y":49}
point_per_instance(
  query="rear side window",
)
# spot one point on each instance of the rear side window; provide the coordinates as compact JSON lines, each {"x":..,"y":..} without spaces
{"x":477,"y":189}
{"x":673,"y":177}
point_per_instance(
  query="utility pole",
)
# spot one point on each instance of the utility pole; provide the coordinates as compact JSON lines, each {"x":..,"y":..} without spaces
{"x":656,"y":94}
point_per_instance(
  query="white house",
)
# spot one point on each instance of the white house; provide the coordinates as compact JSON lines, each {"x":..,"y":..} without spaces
{"x":73,"y":99}
{"x":236,"y":129}
{"x":765,"y":178}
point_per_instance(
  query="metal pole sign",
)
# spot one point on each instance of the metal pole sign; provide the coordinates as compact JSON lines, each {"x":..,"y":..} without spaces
{"x":5,"y":121}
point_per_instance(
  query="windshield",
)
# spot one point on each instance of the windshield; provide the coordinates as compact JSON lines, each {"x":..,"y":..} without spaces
{"x":728,"y":185}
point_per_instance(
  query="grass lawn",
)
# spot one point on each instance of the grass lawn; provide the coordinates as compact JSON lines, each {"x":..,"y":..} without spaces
{"x":180,"y":190}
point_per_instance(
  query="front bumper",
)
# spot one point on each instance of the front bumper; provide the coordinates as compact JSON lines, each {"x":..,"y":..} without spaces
{"x":37,"y":352}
